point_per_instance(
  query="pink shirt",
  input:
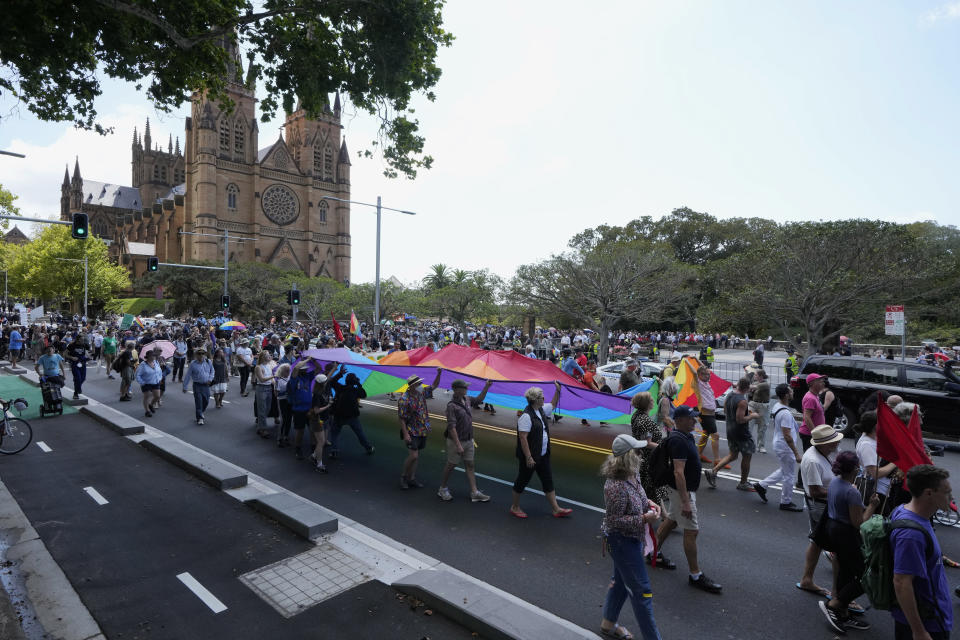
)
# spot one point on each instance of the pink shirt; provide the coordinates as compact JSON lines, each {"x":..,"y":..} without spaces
{"x":812,"y":402}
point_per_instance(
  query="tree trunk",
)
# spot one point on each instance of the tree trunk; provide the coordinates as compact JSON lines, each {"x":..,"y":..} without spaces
{"x":605,"y":325}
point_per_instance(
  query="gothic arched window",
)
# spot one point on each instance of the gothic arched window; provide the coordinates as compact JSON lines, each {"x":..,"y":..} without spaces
{"x":238,"y":139}
{"x":156,"y":172}
{"x":323,"y":211}
{"x":317,"y":164}
{"x":232,"y":191}
{"x":328,"y":164}
{"x":224,"y":136}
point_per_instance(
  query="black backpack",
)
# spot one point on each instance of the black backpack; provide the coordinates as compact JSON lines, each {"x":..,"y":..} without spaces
{"x":660,"y":466}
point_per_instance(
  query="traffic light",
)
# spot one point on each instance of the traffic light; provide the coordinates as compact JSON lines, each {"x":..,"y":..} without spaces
{"x":294,"y":296}
{"x":80,"y":229}
{"x":153,"y":264}
{"x":225,"y":302}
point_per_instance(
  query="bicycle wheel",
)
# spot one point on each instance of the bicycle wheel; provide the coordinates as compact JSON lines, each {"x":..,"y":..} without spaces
{"x":15,"y":435}
{"x":947,"y":518}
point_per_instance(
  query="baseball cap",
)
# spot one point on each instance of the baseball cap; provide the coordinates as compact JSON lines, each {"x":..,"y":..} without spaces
{"x":624,"y":443}
{"x":684,"y":411}
{"x":463,"y":384}
{"x":814,"y":376}
{"x":320,"y":378}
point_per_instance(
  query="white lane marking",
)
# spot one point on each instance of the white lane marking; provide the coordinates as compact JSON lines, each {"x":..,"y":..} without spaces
{"x":93,"y":493}
{"x":731,"y":476}
{"x":540,"y":493}
{"x":43,"y":446}
{"x":201,"y":592}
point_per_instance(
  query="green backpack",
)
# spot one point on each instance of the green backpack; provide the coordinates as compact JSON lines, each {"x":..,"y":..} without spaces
{"x":877,"y":579}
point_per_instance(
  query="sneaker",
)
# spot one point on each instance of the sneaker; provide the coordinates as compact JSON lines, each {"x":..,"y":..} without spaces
{"x":856,"y":623}
{"x":745,"y":486}
{"x":148,"y":414}
{"x":444,"y":494}
{"x":479,"y":496}
{"x":789,"y":506}
{"x":414,"y":483}
{"x":663,"y":562}
{"x":762,"y":450}
{"x":320,"y":468}
{"x":200,"y":421}
{"x":371,"y":450}
{"x":704,"y":583}
{"x":760,"y":491}
{"x":833,"y":618}
{"x":403,"y":483}
{"x":711,"y":477}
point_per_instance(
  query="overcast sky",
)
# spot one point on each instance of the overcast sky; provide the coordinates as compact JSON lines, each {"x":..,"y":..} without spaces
{"x":554,"y":116}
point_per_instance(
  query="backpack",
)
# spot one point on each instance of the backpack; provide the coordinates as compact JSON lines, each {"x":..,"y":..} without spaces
{"x":877,"y":578}
{"x":659,"y":465}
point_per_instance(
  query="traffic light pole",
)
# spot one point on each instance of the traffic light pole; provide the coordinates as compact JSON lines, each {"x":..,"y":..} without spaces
{"x":294,"y":288}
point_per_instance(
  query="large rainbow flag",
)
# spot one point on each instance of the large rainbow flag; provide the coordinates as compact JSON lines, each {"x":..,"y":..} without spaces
{"x":686,"y":379}
{"x":511,"y":373}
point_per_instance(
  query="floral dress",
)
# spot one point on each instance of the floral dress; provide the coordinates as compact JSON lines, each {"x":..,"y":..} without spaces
{"x":644,"y":427}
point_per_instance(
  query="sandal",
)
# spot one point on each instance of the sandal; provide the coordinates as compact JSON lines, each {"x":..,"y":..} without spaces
{"x":819,"y":591}
{"x":617,"y":631}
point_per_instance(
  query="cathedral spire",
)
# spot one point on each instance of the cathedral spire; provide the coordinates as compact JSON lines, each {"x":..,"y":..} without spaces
{"x":66,"y":176}
{"x":76,"y":170}
{"x":344,"y":157}
{"x":170,"y":143}
{"x":176,"y":149}
{"x":336,"y":105}
{"x":134,"y":136}
{"x":146,"y":136}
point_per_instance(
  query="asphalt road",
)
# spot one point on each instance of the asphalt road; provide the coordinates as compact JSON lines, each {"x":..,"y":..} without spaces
{"x":126,"y":526}
{"x":754,"y":550}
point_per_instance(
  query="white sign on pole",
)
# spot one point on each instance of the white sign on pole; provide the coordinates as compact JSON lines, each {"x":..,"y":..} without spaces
{"x":893,"y":321}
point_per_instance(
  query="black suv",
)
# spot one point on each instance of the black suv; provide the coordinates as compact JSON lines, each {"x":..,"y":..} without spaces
{"x":854,"y":378}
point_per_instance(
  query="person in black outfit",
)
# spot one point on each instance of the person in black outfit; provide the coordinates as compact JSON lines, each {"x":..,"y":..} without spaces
{"x":346,"y":410}
{"x":77,"y":356}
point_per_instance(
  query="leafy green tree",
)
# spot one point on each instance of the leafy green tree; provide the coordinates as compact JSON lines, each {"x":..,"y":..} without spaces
{"x":438,"y":278}
{"x":377,"y":54}
{"x":193,"y":290}
{"x":602,"y":286}
{"x":316,"y":298}
{"x":824,"y":278}
{"x":7,"y":206}
{"x":466,"y":295}
{"x":38,"y":269}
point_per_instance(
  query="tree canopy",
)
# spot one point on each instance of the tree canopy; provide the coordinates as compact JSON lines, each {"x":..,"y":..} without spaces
{"x":378,"y":54}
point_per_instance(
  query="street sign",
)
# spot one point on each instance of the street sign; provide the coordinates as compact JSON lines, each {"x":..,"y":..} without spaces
{"x":893,"y":320}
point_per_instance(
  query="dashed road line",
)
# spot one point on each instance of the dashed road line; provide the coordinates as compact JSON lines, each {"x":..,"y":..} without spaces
{"x":44,"y":447}
{"x":93,"y":493}
{"x":201,"y":592}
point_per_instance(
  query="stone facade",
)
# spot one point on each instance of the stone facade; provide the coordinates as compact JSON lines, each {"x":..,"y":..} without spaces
{"x":222,"y":181}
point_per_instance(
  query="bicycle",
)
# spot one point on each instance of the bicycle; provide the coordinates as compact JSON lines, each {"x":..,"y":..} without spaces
{"x":15,"y":433}
{"x":948,"y":518}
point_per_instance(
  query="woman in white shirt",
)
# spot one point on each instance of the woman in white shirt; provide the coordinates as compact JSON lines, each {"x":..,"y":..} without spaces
{"x":533,"y":450}
{"x":263,"y":378}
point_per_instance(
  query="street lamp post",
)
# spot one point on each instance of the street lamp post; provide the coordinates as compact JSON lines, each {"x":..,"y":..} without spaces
{"x":376,"y":296}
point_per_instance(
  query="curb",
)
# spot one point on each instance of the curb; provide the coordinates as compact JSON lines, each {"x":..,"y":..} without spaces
{"x":40,"y":594}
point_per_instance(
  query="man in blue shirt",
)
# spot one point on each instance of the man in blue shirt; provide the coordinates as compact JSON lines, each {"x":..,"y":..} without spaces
{"x":200,"y":373}
{"x":16,"y":344}
{"x":569,"y":365}
{"x":919,"y":581}
{"x":50,"y":365}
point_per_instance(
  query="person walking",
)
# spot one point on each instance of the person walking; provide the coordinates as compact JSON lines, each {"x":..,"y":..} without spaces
{"x":533,"y":450}
{"x":319,"y":418}
{"x":461,"y":448}
{"x":109,"y":352}
{"x":707,"y":407}
{"x":200,"y":373}
{"x":76,"y":355}
{"x":414,"y":418}
{"x":628,"y":512}
{"x":148,"y":376}
{"x":180,"y":357}
{"x":346,"y":410}
{"x":760,"y":405}
{"x":923,"y":609}
{"x":245,"y":366}
{"x":126,"y":363}
{"x":816,"y":473}
{"x":263,"y":390}
{"x":220,"y":385}
{"x":14,"y":346}
{"x":300,"y":395}
{"x":846,"y":511}
{"x":813,"y":414}
{"x":681,"y":506}
{"x":283,"y":402}
{"x":739,"y":440}
{"x":786,"y":447}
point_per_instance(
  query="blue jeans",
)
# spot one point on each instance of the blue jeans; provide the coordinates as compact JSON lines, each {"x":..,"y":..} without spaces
{"x":354,"y":424}
{"x":201,"y":398}
{"x":630,"y":578}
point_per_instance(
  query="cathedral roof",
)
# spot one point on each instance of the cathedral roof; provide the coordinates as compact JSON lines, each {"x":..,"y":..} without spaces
{"x":110,"y":195}
{"x":16,"y":236}
{"x":178,"y":190}
{"x":263,"y":153}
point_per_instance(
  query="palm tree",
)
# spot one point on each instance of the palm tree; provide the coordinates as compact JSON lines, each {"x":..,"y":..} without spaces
{"x":438,"y":278}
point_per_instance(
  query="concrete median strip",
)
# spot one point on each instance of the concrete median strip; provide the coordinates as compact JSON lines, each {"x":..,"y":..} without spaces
{"x":306,"y":519}
{"x":209,"y":469}
{"x":113,"y":419}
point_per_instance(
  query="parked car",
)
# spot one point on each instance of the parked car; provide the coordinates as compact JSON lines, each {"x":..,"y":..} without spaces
{"x":853,"y":379}
{"x":611,"y":371}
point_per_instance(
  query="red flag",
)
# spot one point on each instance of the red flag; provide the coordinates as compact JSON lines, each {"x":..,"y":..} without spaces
{"x":898,"y":443}
{"x":473,"y":343}
{"x":336,"y":327}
